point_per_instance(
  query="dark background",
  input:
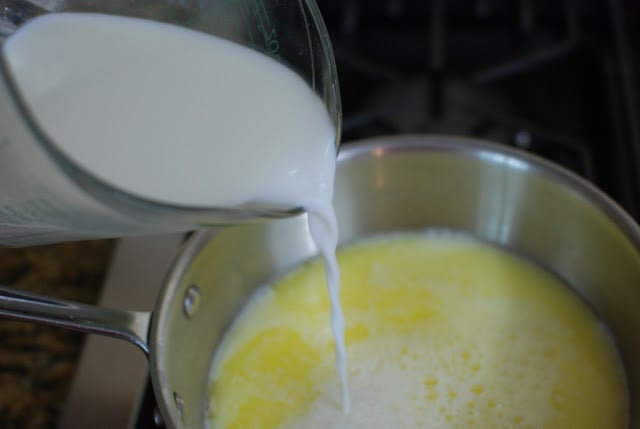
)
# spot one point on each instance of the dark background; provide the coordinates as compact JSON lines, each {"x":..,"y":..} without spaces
{"x":556,"y":78}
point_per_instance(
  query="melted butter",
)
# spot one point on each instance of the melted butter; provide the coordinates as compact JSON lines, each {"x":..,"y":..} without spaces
{"x":441,"y":332}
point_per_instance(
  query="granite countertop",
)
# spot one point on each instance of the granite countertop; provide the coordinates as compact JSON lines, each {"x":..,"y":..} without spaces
{"x":37,"y":363}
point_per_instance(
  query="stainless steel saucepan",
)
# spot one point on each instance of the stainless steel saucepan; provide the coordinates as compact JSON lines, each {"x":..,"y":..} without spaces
{"x":398,"y":183}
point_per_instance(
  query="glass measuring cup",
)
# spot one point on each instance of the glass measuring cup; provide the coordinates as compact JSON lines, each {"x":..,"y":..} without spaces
{"x":46,"y":197}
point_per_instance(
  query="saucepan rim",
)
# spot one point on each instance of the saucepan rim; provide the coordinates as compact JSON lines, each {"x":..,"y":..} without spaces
{"x":380,"y":147}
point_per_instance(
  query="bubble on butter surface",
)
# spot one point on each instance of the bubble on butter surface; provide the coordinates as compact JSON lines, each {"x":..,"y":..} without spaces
{"x":441,"y":333}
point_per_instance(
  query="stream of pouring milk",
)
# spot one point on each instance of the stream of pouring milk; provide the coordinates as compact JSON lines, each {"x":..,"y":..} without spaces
{"x":184,"y":118}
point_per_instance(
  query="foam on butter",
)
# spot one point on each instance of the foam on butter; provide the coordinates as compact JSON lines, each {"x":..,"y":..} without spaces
{"x":441,"y":333}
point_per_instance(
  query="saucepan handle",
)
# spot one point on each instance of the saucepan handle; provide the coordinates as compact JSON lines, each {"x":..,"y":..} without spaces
{"x":132,"y":326}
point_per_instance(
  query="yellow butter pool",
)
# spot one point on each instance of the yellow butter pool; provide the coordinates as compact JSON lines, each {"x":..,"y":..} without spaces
{"x":442,"y":332}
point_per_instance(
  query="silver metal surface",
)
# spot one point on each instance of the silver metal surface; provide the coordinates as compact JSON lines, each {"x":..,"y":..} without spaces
{"x":26,"y":307}
{"x":112,"y":375}
{"x":503,"y":196}
{"x":192,"y":301}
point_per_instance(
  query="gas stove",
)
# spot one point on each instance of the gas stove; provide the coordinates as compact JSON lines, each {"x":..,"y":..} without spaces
{"x":554,"y":78}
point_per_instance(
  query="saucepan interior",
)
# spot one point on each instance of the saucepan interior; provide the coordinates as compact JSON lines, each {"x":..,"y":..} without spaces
{"x":405,"y":183}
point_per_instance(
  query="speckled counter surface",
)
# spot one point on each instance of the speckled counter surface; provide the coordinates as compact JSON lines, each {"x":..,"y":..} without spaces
{"x":37,"y":363}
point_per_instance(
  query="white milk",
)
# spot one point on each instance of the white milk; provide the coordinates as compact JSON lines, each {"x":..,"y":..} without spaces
{"x":182,"y":117}
{"x":172,"y":114}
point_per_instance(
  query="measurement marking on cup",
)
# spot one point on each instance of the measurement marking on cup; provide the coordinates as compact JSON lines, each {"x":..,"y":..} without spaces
{"x":247,"y":23}
{"x":255,"y":9}
{"x":269,"y":33}
{"x":272,"y":42}
{"x":264,"y":12}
